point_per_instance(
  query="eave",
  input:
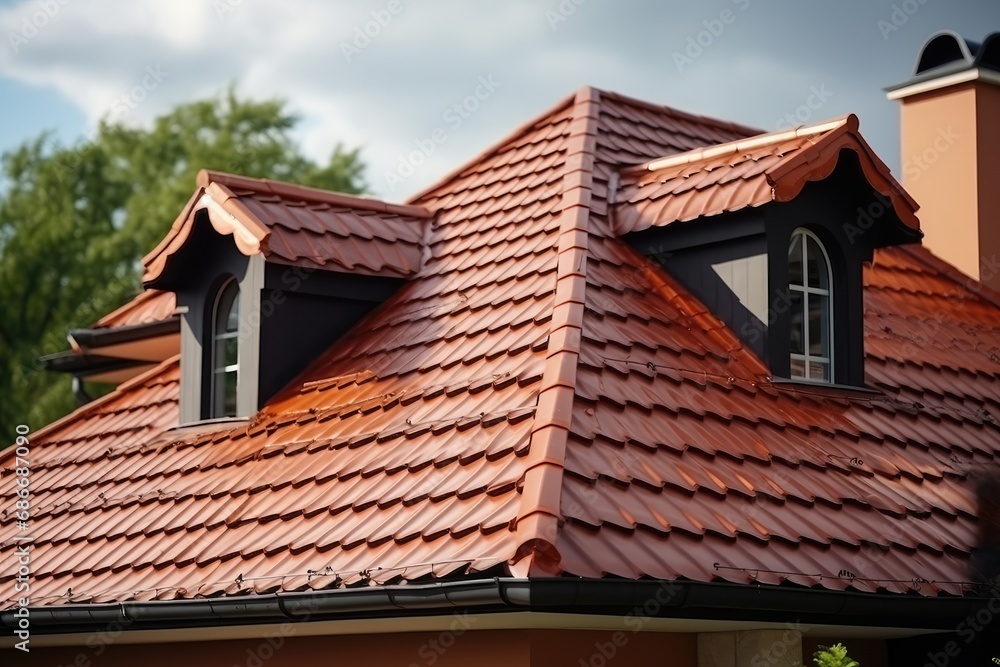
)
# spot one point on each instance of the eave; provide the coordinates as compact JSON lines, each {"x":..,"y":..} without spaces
{"x":583,"y":599}
{"x":115,"y":354}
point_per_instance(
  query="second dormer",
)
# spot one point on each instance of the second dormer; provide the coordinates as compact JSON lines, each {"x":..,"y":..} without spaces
{"x":771,"y":233}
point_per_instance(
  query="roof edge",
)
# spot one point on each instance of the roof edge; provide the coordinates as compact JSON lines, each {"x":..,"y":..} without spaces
{"x":935,"y":263}
{"x":686,"y":115}
{"x":676,"y":598}
{"x":106,"y":398}
{"x":789,"y":176}
{"x":95,"y":338}
{"x":492,"y":149}
{"x":133,"y":303}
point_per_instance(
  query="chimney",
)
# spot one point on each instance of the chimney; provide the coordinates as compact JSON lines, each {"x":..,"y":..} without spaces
{"x":950,"y":145}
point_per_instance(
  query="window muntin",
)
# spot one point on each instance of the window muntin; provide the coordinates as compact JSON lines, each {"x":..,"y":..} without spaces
{"x":225,"y":350}
{"x":810,"y":286}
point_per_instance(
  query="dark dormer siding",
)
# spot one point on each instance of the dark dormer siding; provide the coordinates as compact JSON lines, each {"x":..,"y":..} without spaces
{"x":303,"y":312}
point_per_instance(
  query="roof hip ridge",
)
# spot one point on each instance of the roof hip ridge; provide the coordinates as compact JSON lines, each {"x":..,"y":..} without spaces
{"x":539,"y":514}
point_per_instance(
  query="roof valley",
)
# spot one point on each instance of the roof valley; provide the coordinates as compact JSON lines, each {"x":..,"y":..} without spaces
{"x":538,"y":519}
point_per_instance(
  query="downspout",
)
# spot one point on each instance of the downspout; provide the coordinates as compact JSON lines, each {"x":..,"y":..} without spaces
{"x":80,"y":391}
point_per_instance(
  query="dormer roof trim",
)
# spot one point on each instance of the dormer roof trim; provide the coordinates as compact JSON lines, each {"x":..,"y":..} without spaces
{"x":293,"y":224}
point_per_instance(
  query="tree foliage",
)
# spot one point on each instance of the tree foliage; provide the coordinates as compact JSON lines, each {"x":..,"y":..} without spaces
{"x":833,"y":656}
{"x":76,"y":220}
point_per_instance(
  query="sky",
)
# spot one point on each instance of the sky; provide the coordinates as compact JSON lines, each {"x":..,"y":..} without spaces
{"x":423,"y":87}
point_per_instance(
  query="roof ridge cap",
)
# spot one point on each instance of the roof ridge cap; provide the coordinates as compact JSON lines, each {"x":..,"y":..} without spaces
{"x":537,"y":521}
{"x":207,"y":177}
{"x":739,"y":145}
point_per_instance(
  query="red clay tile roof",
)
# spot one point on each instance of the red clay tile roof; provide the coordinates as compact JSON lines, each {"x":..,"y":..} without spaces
{"x":539,"y":400}
{"x":300,"y":226}
{"x":146,"y":308}
{"x":747,"y":172}
{"x":685,"y":461}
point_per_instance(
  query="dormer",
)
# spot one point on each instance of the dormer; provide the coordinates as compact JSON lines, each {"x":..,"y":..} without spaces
{"x":771,"y":233}
{"x":268,"y":275}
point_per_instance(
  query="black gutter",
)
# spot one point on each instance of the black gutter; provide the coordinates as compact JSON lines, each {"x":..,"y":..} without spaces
{"x":637,"y":599}
{"x":95,"y":338}
{"x":92,"y":340}
{"x":86,"y":364}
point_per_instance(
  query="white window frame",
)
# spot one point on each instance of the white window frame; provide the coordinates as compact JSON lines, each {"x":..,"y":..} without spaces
{"x":218,"y":373}
{"x":806,"y":291}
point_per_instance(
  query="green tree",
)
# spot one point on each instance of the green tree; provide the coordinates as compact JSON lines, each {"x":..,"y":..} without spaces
{"x":76,"y":220}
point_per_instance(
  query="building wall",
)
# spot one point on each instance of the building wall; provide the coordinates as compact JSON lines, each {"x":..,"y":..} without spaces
{"x":592,"y":648}
{"x":988,"y":174}
{"x":487,"y":648}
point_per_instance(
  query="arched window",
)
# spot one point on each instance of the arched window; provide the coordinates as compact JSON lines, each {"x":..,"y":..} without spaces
{"x":225,"y":350}
{"x":810,"y":286}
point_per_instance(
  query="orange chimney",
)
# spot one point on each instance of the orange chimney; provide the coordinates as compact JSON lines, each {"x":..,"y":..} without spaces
{"x":950,"y":123}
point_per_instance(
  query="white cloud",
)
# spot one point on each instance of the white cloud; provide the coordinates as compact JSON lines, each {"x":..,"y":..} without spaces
{"x":421,"y":60}
{"x":391,"y":93}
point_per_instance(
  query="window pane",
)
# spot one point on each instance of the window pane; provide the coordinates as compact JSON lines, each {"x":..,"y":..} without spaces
{"x":795,"y":260}
{"x":819,"y":325}
{"x":818,"y":276}
{"x":225,"y":394}
{"x":231,"y":350}
{"x":230,"y":401}
{"x":227,"y":315}
{"x":225,"y":351}
{"x":797,"y":322}
{"x":233,"y":319}
{"x":798,"y":368}
{"x":819,"y":370}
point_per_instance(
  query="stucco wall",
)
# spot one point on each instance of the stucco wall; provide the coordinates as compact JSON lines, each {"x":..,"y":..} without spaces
{"x":488,"y":648}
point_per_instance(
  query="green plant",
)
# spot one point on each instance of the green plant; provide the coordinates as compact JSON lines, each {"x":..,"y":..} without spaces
{"x":833,"y":656}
